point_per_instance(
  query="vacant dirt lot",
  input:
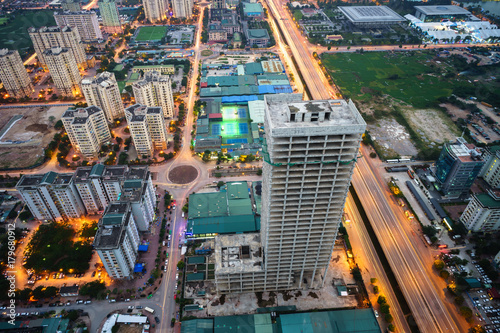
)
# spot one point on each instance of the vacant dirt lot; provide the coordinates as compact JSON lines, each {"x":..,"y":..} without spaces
{"x":23,"y":144}
{"x":432,"y":125}
{"x":391,"y":138}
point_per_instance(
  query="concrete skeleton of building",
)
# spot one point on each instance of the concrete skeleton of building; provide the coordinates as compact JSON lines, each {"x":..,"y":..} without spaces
{"x":155,"y":90}
{"x":87,"y":130}
{"x":103,"y":91}
{"x":66,"y":37}
{"x":14,"y":76}
{"x":155,"y":10}
{"x":110,"y":16}
{"x":482,"y":213}
{"x":63,"y":70}
{"x":51,"y":196}
{"x":84,"y":21}
{"x":117,"y":240}
{"x":312,"y":147}
{"x":457,"y":167}
{"x":147,"y":128}
{"x":182,"y":8}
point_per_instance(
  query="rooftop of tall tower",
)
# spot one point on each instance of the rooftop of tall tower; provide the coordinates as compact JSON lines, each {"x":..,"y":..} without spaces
{"x":288,"y":111}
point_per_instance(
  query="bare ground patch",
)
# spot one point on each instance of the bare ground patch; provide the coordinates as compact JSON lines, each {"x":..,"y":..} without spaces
{"x":432,"y":125}
{"x":391,"y":139}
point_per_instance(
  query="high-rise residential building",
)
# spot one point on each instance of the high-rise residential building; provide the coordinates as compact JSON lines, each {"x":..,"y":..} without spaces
{"x":182,"y":8}
{"x":482,"y":214}
{"x":110,"y":16}
{"x":117,"y":240}
{"x":155,"y":10}
{"x":147,"y":127}
{"x":51,"y":196}
{"x":491,"y":169}
{"x":14,"y":76}
{"x":457,"y":167}
{"x":87,"y":129}
{"x":103,"y":91}
{"x":310,"y":152}
{"x":71,"y":5}
{"x":66,"y":37}
{"x":88,"y":183}
{"x":155,"y":90}
{"x":64,"y":71}
{"x":84,"y":21}
{"x":217,"y":4}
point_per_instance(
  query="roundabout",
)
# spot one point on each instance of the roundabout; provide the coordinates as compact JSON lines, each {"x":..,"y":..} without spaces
{"x":183,"y":174}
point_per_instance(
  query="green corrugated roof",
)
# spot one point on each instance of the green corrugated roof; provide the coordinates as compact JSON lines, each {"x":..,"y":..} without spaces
{"x":473,"y":283}
{"x":109,"y":219}
{"x":149,"y":66}
{"x":240,"y":207}
{"x":192,"y":307}
{"x":207,"y":204}
{"x":253,"y":67}
{"x":252,"y":7}
{"x":493,"y":149}
{"x":236,"y":190}
{"x":342,"y":321}
{"x":222,"y":225}
{"x":487,"y":201}
{"x":132,"y":183}
{"x":198,"y":326}
{"x":196,"y":260}
{"x":49,"y":177}
{"x":195,"y":277}
{"x":258,"y":323}
{"x":97,"y":170}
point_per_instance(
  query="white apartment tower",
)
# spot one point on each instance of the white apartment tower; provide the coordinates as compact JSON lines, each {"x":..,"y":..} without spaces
{"x":482,"y":214}
{"x":155,"y":10}
{"x":87,"y":129}
{"x":491,"y":169}
{"x":147,"y":127}
{"x":310,"y":152}
{"x":64,"y":71}
{"x":51,"y":196}
{"x":66,"y":37}
{"x":182,"y":8}
{"x":84,"y":21}
{"x":155,"y":90}
{"x":103,"y":91}
{"x":110,"y":16}
{"x":14,"y":76}
{"x":117,"y":240}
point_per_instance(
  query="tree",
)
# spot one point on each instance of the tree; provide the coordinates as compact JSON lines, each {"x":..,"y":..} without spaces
{"x":438,"y":264}
{"x":373,"y":280}
{"x":391,"y":328}
{"x":478,"y":329}
{"x":181,"y":264}
{"x":38,"y":292}
{"x":465,"y":312}
{"x":206,"y":156}
{"x":459,"y":300}
{"x":381,"y":300}
{"x":259,"y":172}
{"x":220,"y":184}
{"x":444,"y":274}
{"x":92,"y":289}
{"x":51,"y":291}
{"x":384,"y":308}
{"x":24,"y":294}
{"x":376,"y":289}
{"x":389,"y":318}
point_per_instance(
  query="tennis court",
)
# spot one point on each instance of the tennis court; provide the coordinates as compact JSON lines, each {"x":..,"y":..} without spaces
{"x":230,"y":129}
{"x":216,"y":129}
{"x":233,"y":112}
{"x":243,"y":128}
{"x":231,"y":141}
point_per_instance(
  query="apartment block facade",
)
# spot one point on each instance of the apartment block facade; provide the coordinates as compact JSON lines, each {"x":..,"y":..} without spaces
{"x":64,"y":71}
{"x":51,"y":196}
{"x":147,"y":128}
{"x":84,"y":21}
{"x":482,"y":213}
{"x":87,"y":129}
{"x":45,"y":38}
{"x":117,"y":240}
{"x":491,"y":169}
{"x":155,"y":90}
{"x":14,"y":76}
{"x":182,"y":8}
{"x":110,"y":16}
{"x":310,"y":153}
{"x":155,"y":10}
{"x":103,"y":91}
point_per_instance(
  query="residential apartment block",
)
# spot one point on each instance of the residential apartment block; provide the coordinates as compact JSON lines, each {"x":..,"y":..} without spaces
{"x":482,"y":214}
{"x":155,"y":90}
{"x":110,"y":16}
{"x":147,"y":127}
{"x":14,"y":76}
{"x":66,"y":37}
{"x":155,"y":10}
{"x":87,"y":129}
{"x":84,"y":21}
{"x":51,"y":196}
{"x":64,"y":71}
{"x":71,"y":5}
{"x":182,"y":8}
{"x":309,"y":158}
{"x":491,"y":169}
{"x":117,"y":240}
{"x":103,"y":91}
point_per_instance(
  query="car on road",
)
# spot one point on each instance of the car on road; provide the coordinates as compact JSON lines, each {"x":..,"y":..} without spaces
{"x":88,"y":302}
{"x":112,"y":301}
{"x":177,"y":276}
{"x":138,"y":307}
{"x":376,"y":313}
{"x":131,"y":307}
{"x":157,"y":320}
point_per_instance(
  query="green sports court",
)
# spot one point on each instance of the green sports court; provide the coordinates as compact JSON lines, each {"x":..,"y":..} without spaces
{"x":232,"y":124}
{"x":151,"y":33}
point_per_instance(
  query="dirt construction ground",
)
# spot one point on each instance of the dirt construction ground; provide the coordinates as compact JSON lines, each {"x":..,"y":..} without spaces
{"x":33,"y":133}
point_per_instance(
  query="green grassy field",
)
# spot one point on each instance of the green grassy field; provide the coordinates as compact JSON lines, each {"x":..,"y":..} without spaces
{"x":14,"y":34}
{"x":151,"y":33}
{"x":404,"y":76}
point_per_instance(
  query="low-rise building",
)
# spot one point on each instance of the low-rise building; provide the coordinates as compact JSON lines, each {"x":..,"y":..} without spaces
{"x":253,"y":10}
{"x":217,"y":35}
{"x":163,"y":69}
{"x":258,"y":37}
{"x":371,"y":16}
